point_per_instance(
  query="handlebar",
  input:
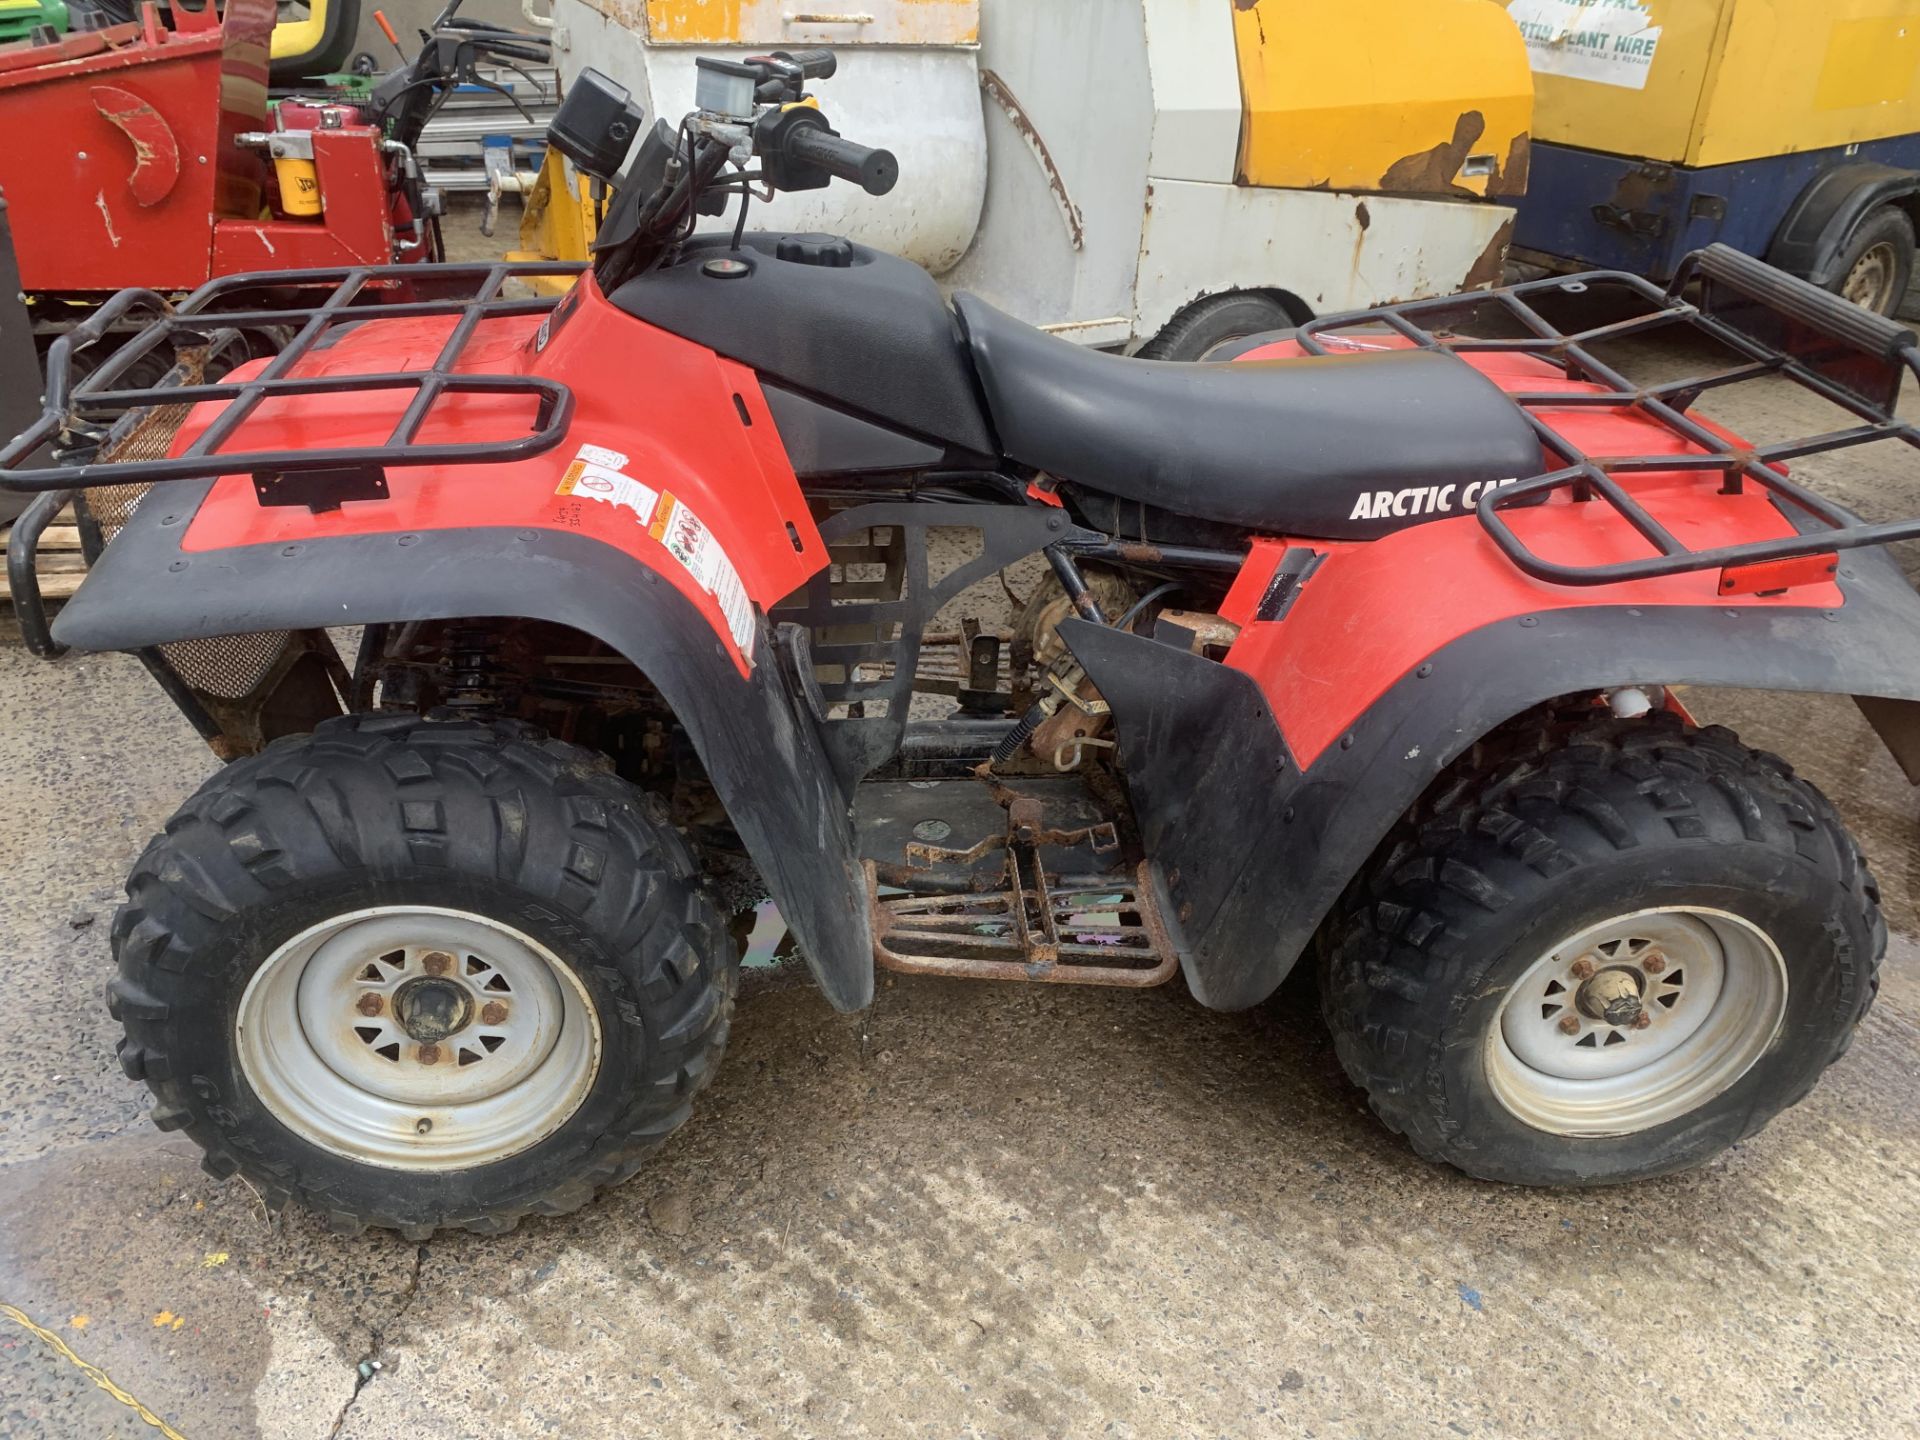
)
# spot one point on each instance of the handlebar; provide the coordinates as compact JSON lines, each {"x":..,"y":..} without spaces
{"x":874,"y":171}
{"x":814,"y":64}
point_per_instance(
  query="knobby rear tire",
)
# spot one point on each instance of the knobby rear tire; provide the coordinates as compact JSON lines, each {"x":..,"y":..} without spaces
{"x":1553,"y":823}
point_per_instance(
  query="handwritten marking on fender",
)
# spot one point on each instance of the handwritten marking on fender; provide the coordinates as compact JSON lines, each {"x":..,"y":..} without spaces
{"x":1421,"y":500}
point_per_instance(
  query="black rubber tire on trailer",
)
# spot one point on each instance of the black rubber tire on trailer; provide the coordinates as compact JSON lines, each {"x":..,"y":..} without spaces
{"x":532,"y":844}
{"x":1214,"y":321}
{"x":1884,"y":239}
{"x":1551,"y":825}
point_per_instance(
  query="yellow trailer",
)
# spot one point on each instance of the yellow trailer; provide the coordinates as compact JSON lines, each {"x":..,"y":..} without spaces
{"x":1787,"y":128}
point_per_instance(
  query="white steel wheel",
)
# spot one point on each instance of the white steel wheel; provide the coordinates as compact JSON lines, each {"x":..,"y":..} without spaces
{"x":418,"y":1038}
{"x":1636,"y":1021}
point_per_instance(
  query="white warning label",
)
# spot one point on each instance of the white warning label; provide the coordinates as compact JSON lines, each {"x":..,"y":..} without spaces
{"x":1611,"y":42}
{"x":597,"y":473}
{"x":587,"y":480}
{"x":690,"y":542}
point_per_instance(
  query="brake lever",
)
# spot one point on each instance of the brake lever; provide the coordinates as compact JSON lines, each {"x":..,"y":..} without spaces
{"x":473,"y":78}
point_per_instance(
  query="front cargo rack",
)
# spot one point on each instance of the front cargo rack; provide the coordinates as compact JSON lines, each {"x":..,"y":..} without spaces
{"x":86,"y":410}
{"x":1772,"y":323}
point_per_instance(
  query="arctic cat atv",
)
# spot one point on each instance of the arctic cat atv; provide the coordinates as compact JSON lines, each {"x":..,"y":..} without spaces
{"x":1359,"y":643}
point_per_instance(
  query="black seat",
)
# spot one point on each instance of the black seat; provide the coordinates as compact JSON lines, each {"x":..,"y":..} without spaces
{"x":1283,"y":445}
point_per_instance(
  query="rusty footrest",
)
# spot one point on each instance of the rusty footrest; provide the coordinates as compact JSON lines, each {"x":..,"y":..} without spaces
{"x":1093,"y":931}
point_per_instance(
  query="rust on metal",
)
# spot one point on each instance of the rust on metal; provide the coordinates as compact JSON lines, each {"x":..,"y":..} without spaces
{"x":370,"y":1004}
{"x":1653,"y":962}
{"x":1570,"y":1024}
{"x":1511,"y":179}
{"x":493,"y":1013}
{"x":1072,"y":935}
{"x":1432,"y":171}
{"x":1581,"y":969}
{"x":437,"y":962}
{"x":997,"y":90}
{"x":1102,"y":838}
{"x":1490,"y":266}
{"x":429,"y":1055}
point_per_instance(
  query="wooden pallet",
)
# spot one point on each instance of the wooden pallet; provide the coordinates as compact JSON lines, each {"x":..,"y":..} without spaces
{"x":61,"y":567}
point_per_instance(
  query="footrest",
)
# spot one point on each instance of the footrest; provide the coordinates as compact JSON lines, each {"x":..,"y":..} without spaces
{"x":1094,"y":931}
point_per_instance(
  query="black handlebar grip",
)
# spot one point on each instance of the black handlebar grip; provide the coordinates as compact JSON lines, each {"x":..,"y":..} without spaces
{"x":814,"y":64}
{"x":874,"y":171}
{"x":1799,"y":300}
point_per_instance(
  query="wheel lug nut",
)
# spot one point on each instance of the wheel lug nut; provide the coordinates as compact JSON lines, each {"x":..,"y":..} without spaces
{"x":493,"y":1013}
{"x":1654,"y":964}
{"x":1569,"y":1024}
{"x":437,"y":962}
{"x":370,"y":1004}
{"x":1581,"y":969}
{"x":429,"y":1055}
{"x":1642,"y":1020}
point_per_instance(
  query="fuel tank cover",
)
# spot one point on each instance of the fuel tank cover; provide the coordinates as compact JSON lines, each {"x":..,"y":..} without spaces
{"x":833,"y":251}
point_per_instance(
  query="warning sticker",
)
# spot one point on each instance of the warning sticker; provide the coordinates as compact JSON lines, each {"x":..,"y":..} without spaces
{"x":1611,"y":42}
{"x":589,"y":481}
{"x":694,"y":546}
{"x":597,"y":473}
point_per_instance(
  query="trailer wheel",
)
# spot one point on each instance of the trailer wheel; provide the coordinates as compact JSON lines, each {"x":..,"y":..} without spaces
{"x":1214,"y":321}
{"x":1879,"y":261}
{"x":419,"y":974}
{"x":1602,"y":950}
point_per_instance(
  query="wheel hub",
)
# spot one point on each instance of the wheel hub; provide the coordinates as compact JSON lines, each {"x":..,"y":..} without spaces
{"x":430,"y":1009}
{"x":1612,"y":996}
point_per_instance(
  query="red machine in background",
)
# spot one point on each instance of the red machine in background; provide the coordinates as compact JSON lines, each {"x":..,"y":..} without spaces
{"x":164,"y":165}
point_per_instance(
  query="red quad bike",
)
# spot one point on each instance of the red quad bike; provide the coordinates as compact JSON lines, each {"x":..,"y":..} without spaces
{"x":1360,"y":644}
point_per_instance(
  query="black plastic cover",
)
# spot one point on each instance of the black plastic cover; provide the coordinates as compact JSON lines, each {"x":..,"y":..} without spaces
{"x":595,"y":125}
{"x":875,"y":337}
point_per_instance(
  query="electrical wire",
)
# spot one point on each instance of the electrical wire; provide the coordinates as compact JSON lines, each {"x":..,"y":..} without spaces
{"x":1144,"y":601}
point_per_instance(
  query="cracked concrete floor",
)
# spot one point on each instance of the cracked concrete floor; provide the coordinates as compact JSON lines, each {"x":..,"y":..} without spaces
{"x":974,"y":1210}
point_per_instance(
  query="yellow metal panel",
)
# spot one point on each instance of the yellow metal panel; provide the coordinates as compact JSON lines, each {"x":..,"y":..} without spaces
{"x":556,"y":223}
{"x":1649,"y":111}
{"x":1809,"y":74}
{"x":805,"y":22}
{"x":1425,"y":97}
{"x":1730,"y":80}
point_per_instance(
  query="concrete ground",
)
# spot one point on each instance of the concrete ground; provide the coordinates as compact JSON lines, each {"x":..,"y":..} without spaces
{"x":974,"y":1210}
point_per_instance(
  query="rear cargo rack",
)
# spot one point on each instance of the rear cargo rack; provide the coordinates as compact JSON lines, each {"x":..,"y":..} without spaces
{"x":84,"y":416}
{"x":1772,"y":323}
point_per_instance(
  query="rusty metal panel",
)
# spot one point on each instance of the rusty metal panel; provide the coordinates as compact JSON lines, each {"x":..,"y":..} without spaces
{"x":805,"y":22}
{"x":1340,"y":251}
